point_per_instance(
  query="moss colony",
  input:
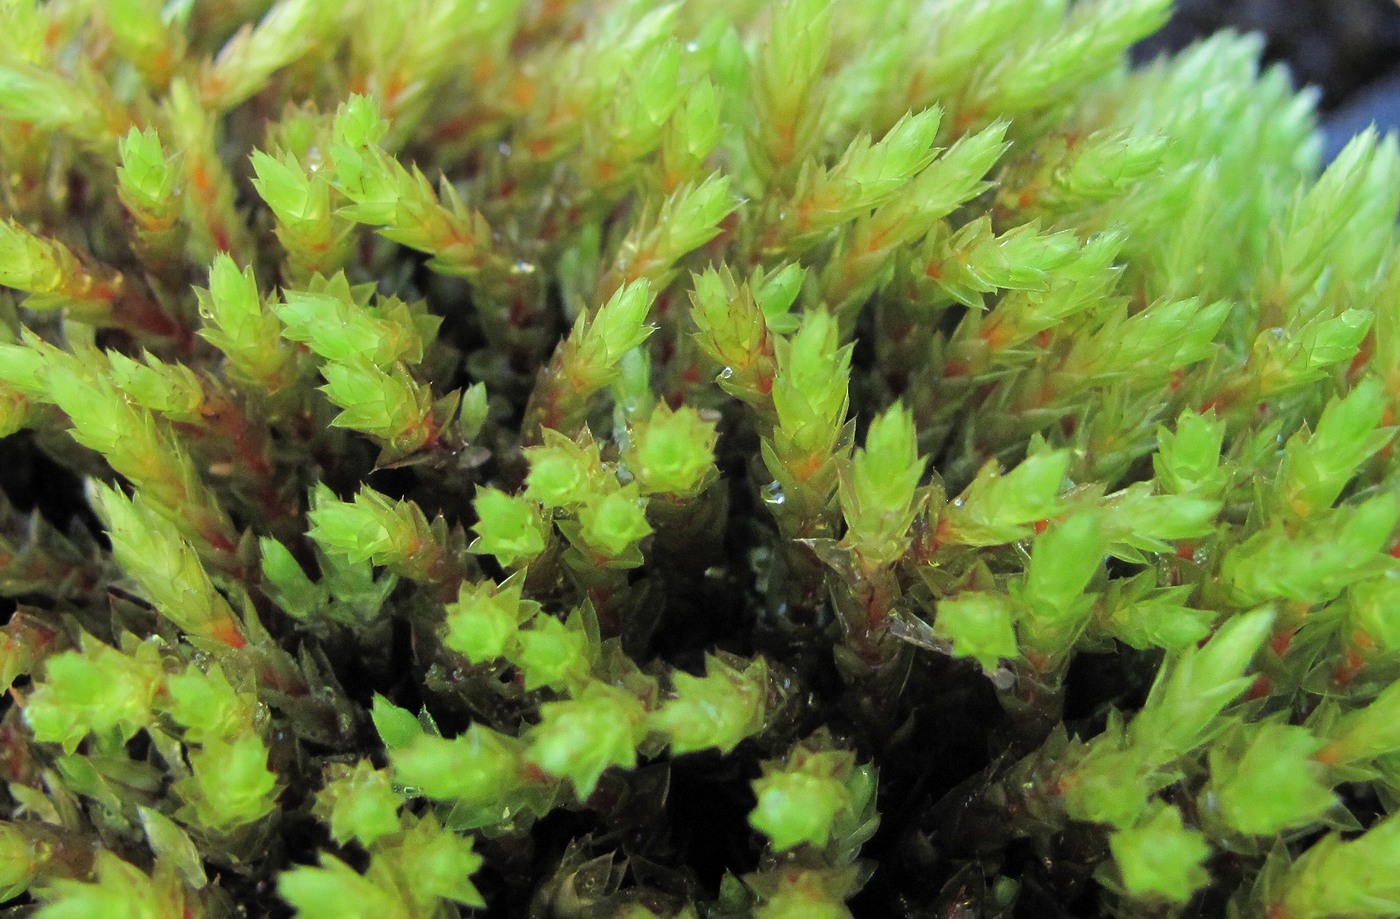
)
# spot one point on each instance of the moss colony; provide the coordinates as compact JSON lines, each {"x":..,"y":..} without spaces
{"x":788,"y":460}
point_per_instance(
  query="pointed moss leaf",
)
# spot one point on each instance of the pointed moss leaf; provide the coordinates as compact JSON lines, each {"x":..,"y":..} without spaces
{"x":372,"y":527}
{"x":1317,"y":466}
{"x":673,"y":452}
{"x":998,"y":508}
{"x":717,"y":710}
{"x":478,"y":767}
{"x":878,"y":497}
{"x":866,"y":176}
{"x":1140,"y":520}
{"x":803,"y":799}
{"x":615,"y":522}
{"x":956,"y":175}
{"x":1063,"y":561}
{"x":238,"y":324}
{"x":730,"y":326}
{"x":206,"y":705}
{"x":397,"y":727}
{"x":1105,"y":165}
{"x":563,"y":471}
{"x":1274,"y":784}
{"x":1365,"y":733}
{"x":117,"y":889}
{"x":808,"y":894}
{"x":439,"y":863}
{"x":1321,"y":344}
{"x":484,"y":621}
{"x":552,"y":653}
{"x":289,"y":586}
{"x":167,"y":567}
{"x":93,"y":691}
{"x":148,"y":178}
{"x":784,"y":86}
{"x":509,"y":527}
{"x":578,"y":739}
{"x":23,"y":368}
{"x":810,"y":391}
{"x":1143,"y":617}
{"x":390,"y":406}
{"x":691,"y":217}
{"x":592,"y":354}
{"x":173,"y":846}
{"x":979,"y":626}
{"x":973,"y":261}
{"x":1371,"y":604}
{"x":1188,"y":458}
{"x":18,"y":864}
{"x":1160,"y":858}
{"x":359,"y":803}
{"x":288,"y":189}
{"x":336,"y":891}
{"x":776,"y":292}
{"x":232,"y":785}
{"x":287,"y":31}
{"x":1351,"y":878}
{"x":1109,"y":785}
{"x":1191,"y":691}
{"x":1319,"y":560}
{"x":795,"y":808}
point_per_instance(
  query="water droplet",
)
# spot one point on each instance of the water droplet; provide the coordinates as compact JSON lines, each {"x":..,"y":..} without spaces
{"x":727,"y":373}
{"x":692,"y":46}
{"x":503,"y":148}
{"x":773,"y":495}
{"x":522,"y":267}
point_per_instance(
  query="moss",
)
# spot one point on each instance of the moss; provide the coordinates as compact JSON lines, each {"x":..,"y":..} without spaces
{"x":615,"y":459}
